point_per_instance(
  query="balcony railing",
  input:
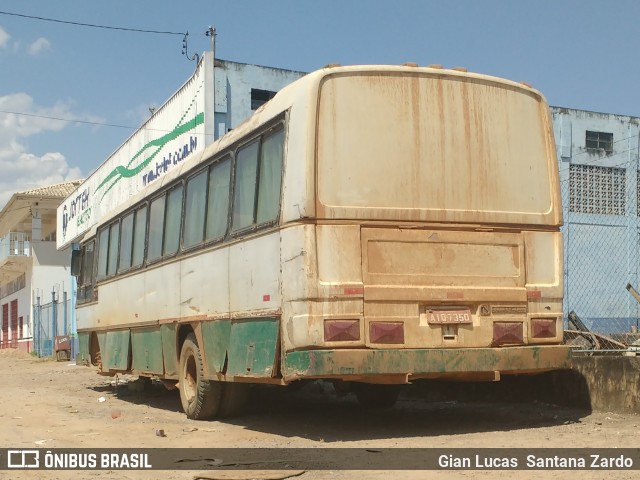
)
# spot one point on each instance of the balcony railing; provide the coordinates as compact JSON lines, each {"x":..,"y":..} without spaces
{"x":15,"y":244}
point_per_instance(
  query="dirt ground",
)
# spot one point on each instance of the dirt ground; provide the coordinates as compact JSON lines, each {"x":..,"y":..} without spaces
{"x":48,"y":404}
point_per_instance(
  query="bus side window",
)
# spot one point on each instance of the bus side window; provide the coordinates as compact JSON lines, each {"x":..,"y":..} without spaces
{"x":108,"y":250}
{"x":156,"y":221}
{"x":244,"y":191}
{"x":86,"y":278}
{"x":172,"y":219}
{"x":139,"y":235}
{"x":218,"y":201}
{"x":114,"y":236}
{"x":270,"y":178}
{"x":196,"y":199}
{"x":126,"y":242}
{"x":103,"y":252}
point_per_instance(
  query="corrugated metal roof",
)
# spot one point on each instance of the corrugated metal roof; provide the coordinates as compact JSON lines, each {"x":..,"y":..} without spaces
{"x":62,"y":190}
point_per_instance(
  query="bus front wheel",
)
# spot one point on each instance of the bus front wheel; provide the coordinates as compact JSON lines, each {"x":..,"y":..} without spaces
{"x":200,"y":397}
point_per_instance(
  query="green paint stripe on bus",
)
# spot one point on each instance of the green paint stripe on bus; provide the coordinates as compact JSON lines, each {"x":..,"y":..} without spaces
{"x":423,"y":361}
{"x":146,"y":348}
{"x":216,"y":336}
{"x":169,"y":353}
{"x":83,"y":345}
{"x":253,"y":345}
{"x":116,"y":355}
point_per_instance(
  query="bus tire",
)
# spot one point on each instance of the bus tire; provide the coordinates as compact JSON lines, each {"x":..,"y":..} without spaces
{"x":373,"y":395}
{"x":200,"y":397}
{"x":235,"y":397}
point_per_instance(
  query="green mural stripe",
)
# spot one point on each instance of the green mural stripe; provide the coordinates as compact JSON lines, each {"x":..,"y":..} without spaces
{"x":124,"y":172}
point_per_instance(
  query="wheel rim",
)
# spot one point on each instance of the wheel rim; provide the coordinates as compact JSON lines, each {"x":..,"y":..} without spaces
{"x":190,"y":379}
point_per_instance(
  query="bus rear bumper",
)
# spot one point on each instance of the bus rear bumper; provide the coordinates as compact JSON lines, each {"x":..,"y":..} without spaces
{"x":401,"y":366}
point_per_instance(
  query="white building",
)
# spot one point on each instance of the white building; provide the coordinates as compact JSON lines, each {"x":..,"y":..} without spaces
{"x":241,"y":88}
{"x":213,"y":101}
{"x":30,"y":265}
{"x":598,"y":161}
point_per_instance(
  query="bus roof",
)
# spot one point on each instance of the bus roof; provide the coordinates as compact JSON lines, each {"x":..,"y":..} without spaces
{"x":302,"y":89}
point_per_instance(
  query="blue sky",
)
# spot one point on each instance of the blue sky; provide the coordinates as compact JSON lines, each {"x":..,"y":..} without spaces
{"x":580,"y":53}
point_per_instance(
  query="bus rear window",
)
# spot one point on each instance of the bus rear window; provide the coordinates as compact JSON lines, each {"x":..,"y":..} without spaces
{"x":473,"y":149}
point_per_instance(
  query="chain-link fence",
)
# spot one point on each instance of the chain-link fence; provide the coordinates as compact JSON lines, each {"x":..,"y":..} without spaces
{"x":50,"y":320}
{"x":601,"y":253}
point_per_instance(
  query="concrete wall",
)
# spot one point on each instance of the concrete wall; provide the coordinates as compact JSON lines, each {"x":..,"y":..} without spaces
{"x":612,"y":383}
{"x":45,"y":253}
{"x":604,"y":383}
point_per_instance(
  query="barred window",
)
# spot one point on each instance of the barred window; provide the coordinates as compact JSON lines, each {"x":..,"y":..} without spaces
{"x":599,"y":141}
{"x":598,"y":190}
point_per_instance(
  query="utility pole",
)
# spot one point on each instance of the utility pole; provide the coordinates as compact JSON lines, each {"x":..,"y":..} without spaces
{"x":211,"y":32}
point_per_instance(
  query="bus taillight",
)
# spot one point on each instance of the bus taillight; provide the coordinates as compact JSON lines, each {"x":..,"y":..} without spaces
{"x":508,"y":333}
{"x":386,"y":332}
{"x":341,"y":330}
{"x":543,"y":327}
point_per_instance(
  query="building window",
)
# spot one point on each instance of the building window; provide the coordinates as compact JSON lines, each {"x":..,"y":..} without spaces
{"x":597,"y":190}
{"x":260,"y":97}
{"x":599,"y":142}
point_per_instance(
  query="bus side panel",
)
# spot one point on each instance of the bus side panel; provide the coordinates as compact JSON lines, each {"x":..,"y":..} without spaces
{"x":169,"y":353}
{"x":253,"y":347}
{"x":146,"y":350}
{"x":83,"y":347}
{"x":216,"y":337}
{"x":116,"y":355}
{"x":203,"y":284}
{"x":254,"y":276}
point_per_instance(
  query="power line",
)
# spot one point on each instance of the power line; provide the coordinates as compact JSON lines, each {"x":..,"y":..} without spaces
{"x":86,"y":122}
{"x":138,"y":30}
{"x":68,"y":120}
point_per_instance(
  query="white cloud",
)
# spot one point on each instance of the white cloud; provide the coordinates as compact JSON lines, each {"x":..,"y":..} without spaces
{"x":39,"y":46}
{"x":19,"y":168}
{"x":4,"y":38}
{"x":27,"y":171}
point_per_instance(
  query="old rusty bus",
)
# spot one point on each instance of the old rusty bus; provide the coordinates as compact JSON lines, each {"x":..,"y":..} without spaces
{"x":370,"y":225}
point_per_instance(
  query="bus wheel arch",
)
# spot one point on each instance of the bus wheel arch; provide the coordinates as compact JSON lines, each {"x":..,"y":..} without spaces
{"x":200,"y":398}
{"x":95,"y":355}
{"x":181,"y":335}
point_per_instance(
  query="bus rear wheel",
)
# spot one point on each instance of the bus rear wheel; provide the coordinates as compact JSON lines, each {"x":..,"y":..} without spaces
{"x":200,"y":397}
{"x":372,"y":395}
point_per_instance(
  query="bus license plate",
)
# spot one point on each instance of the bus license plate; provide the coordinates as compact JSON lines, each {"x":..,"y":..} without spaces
{"x":449,"y":316}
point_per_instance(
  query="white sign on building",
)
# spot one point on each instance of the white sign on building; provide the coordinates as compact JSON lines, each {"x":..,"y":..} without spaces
{"x":174,"y":133}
